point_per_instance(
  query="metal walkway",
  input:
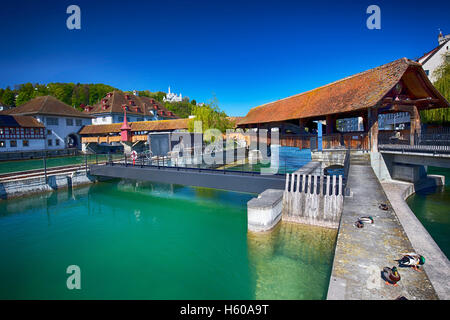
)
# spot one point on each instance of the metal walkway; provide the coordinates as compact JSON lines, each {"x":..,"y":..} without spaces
{"x":231,"y":180}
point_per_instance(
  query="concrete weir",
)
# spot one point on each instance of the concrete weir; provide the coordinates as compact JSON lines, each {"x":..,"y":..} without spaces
{"x":17,"y":188}
{"x":361,"y":254}
{"x":313,"y":200}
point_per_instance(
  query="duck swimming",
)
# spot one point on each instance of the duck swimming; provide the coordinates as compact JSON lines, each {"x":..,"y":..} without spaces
{"x":383,"y":206}
{"x":412,"y":260}
{"x":391,"y":276}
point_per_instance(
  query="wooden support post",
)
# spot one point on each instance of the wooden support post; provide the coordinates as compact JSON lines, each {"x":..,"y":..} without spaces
{"x":287,"y":182}
{"x":304,"y":183}
{"x":292,"y":182}
{"x":321,"y":185}
{"x":333,"y":191}
{"x":331,"y":124}
{"x":340,"y":186}
{"x":415,"y":125}
{"x":372,"y":115}
{"x":315,"y":185}
{"x":328,"y":185}
{"x":309,"y":183}
{"x":298,"y":183}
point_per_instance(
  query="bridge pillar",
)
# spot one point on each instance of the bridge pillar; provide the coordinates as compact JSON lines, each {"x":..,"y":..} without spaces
{"x":372,"y":119}
{"x":331,"y":124}
{"x":415,"y":129}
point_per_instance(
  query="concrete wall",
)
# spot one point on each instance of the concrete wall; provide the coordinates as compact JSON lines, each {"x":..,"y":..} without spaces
{"x":13,"y":189}
{"x":329,"y":157}
{"x":264,"y":212}
{"x":313,"y":200}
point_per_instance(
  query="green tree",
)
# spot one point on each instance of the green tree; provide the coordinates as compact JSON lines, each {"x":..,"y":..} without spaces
{"x":442,"y":115}
{"x":8,"y":97}
{"x":211,"y":117}
{"x":26,"y":93}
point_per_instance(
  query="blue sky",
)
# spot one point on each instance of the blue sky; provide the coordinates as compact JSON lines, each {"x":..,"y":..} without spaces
{"x":245,"y":52}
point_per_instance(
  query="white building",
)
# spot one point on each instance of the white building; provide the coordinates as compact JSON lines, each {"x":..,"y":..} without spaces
{"x":62,"y":122}
{"x":21,"y":133}
{"x":172,"y":97}
{"x":432,"y":60}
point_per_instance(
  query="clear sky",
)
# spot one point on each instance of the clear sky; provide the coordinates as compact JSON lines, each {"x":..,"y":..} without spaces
{"x":245,"y":52}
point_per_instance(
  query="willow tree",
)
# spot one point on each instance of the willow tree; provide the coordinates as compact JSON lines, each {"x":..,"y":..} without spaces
{"x":211,"y":117}
{"x":441,"y":115}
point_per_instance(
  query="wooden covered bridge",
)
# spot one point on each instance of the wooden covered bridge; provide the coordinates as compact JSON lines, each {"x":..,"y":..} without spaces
{"x":399,"y":86}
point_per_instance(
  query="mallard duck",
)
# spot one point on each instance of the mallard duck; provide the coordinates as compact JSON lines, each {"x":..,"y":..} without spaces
{"x":368,"y":219}
{"x":383,"y":206}
{"x":413,"y":260}
{"x":391,"y":276}
{"x":359,"y":224}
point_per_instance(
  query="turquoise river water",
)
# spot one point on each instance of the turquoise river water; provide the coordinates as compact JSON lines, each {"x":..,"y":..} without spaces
{"x":432,"y":208}
{"x":135,"y":240}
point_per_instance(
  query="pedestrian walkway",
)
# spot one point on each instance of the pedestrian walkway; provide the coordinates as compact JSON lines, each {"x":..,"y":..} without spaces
{"x":361,"y":254}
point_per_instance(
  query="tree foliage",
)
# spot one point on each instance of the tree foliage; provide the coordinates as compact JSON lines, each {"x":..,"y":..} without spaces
{"x":70,"y":93}
{"x":211,"y":117}
{"x":440,"y":116}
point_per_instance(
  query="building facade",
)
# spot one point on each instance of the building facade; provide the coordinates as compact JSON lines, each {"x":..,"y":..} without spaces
{"x":111,"y":109}
{"x":435,"y":58}
{"x":21,"y":133}
{"x":62,"y":122}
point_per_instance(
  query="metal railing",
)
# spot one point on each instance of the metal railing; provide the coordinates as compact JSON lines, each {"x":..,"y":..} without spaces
{"x":436,"y":140}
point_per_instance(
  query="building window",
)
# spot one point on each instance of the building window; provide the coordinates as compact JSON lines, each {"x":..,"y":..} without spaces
{"x":2,"y":131}
{"x":79,"y":122}
{"x":49,"y":132}
{"x":52,"y":121}
{"x":13,"y":143}
{"x":25,"y":143}
{"x":69,"y":122}
{"x":2,"y":144}
{"x":49,"y":142}
{"x":57,"y":142}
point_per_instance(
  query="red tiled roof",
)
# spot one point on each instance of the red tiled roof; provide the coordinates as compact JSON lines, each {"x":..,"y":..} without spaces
{"x":46,"y":105}
{"x":159,"y":125}
{"x":357,"y":92}
{"x":136,"y":105}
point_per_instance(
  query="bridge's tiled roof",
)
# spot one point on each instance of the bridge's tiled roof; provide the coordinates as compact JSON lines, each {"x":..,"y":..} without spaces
{"x":354,"y":93}
{"x":159,"y":125}
{"x":46,"y":105}
{"x":137,"y":105}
